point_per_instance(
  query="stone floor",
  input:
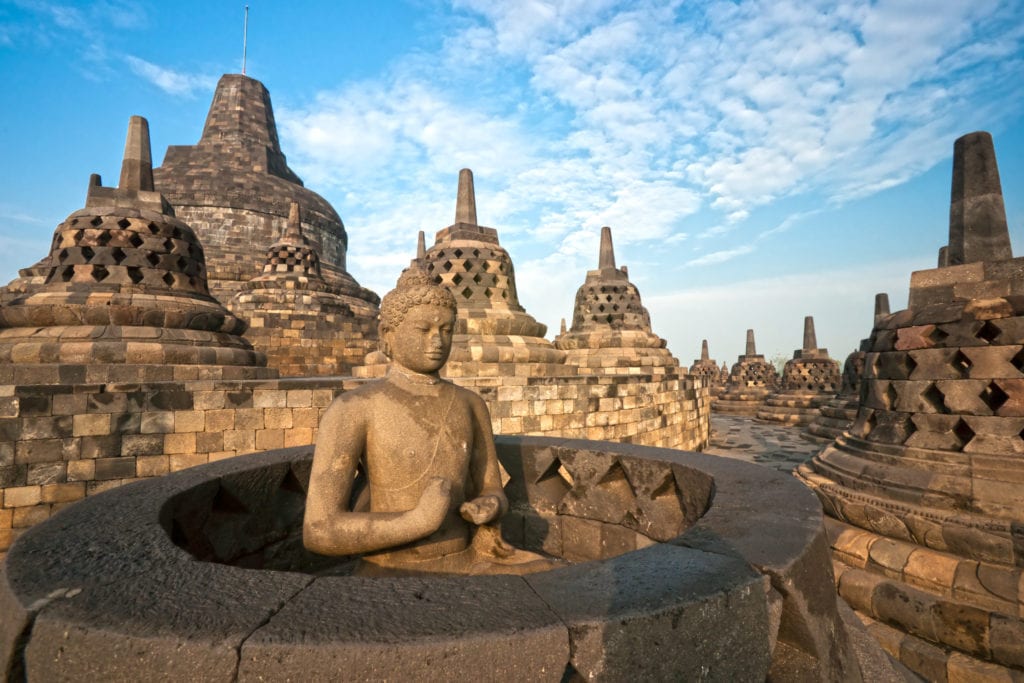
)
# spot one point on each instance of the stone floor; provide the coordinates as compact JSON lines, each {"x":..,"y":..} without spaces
{"x":773,"y":445}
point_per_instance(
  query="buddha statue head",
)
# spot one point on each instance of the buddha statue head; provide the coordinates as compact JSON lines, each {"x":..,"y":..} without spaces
{"x":417,"y":319}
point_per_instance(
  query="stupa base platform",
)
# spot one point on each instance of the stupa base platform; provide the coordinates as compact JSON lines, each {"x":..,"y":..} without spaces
{"x":924,"y":603}
{"x":835,"y":417}
{"x":791,"y":408}
{"x":740,"y":403}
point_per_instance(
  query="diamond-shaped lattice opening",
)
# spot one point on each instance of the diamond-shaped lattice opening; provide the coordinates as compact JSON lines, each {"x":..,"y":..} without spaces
{"x":61,"y":255}
{"x":99,"y":273}
{"x":600,"y":307}
{"x":963,"y":432}
{"x":908,"y":364}
{"x":67,"y":274}
{"x":935,"y":398}
{"x":961,"y":363}
{"x":937,"y":335}
{"x":870,"y":424}
{"x":118,"y":254}
{"x":153,"y":228}
{"x":136,"y":240}
{"x":994,"y":396}
{"x":890,"y":397}
{"x":457,"y":279}
{"x":227,"y":503}
{"x":488,"y":292}
{"x":74,"y":221}
{"x":476,"y":253}
{"x":169,"y":244}
{"x":103,"y":239}
{"x":176,"y":233}
{"x":466,"y":293}
{"x":604,"y":290}
{"x":96,"y":222}
{"x":124,"y":223}
{"x":168,"y":278}
{"x":485,"y":266}
{"x":181,"y":262}
{"x":458,"y":253}
{"x":477,"y":278}
{"x":504,"y":294}
{"x":1018,"y":360}
{"x":615,"y":307}
{"x":615,"y":481}
{"x":447,"y":265}
{"x":908,"y":428}
{"x":135,"y":274}
{"x":88,"y":253}
{"x":153,"y":259}
{"x":989,"y":332}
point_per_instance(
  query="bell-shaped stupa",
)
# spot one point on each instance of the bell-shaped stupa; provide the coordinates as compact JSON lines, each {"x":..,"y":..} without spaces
{"x":494,"y":336}
{"x":125,"y":296}
{"x":611,"y":330}
{"x":926,"y":490}
{"x":304,"y":325}
{"x":835,"y":416}
{"x":235,"y":188}
{"x":708,"y":370}
{"x":809,"y":379}
{"x":751,"y":380}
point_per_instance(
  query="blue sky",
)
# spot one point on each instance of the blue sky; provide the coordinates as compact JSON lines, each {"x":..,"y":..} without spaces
{"x":757,"y":161}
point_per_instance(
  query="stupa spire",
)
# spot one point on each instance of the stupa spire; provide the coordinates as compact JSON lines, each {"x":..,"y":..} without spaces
{"x":704,"y":354}
{"x":881,"y":306}
{"x":606,"y":259}
{"x":421,"y":246}
{"x":465,"y":202}
{"x":810,"y":339}
{"x":751,"y":347}
{"x":137,"y":165}
{"x":977,"y":215}
{"x":293,"y":229}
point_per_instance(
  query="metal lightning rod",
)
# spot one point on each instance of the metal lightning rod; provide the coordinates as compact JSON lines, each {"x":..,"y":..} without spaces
{"x":245,"y":35}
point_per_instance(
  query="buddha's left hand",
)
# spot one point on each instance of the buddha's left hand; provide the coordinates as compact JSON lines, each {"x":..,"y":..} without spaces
{"x":480,"y":510}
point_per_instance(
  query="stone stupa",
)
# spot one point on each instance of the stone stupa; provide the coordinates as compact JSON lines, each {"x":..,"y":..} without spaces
{"x":926,"y":490}
{"x":707,"y":369}
{"x":125,"y":296}
{"x":809,"y":380}
{"x":304,"y":325}
{"x":611,"y":330}
{"x":494,"y":336}
{"x":836,"y":416}
{"x":234,"y":187}
{"x":750,"y":382}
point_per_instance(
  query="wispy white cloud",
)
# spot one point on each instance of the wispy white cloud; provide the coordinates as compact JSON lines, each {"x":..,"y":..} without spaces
{"x":720,"y":256}
{"x":171,"y":81}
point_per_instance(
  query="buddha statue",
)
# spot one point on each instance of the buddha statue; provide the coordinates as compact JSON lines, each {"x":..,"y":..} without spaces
{"x":433,"y":494}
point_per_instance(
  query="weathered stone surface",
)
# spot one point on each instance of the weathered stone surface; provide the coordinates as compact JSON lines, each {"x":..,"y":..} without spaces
{"x":412,"y":628}
{"x":662,"y":613}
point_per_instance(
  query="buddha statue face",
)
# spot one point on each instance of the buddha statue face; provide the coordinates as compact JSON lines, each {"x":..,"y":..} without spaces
{"x":423,"y":340}
{"x":417,"y":319}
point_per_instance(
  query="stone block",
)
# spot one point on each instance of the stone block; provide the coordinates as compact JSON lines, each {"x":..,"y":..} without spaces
{"x":25,"y":517}
{"x":114,"y":468}
{"x":220,"y":420}
{"x":69,"y":404}
{"x":39,"y":451}
{"x":81,"y":470}
{"x":180,"y":461}
{"x":63,"y":493}
{"x":209,"y":442}
{"x":249,"y":419}
{"x":269,"y":398}
{"x":179,"y":443}
{"x":189,"y":421}
{"x":301,"y":436}
{"x":240,"y":440}
{"x":299,"y":398}
{"x":159,"y":422}
{"x":142,"y":444}
{"x":151,"y":465}
{"x":47,"y":473}
{"x":21,"y":496}
{"x":208,"y":400}
{"x":269,"y":438}
{"x":277,"y":418}
{"x":91,"y":424}
{"x":95,"y":446}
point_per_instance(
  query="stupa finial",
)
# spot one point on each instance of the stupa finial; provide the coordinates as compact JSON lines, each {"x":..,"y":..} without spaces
{"x":751,"y":347}
{"x":977,"y":215}
{"x":293,"y":230}
{"x":704,"y":354}
{"x":606,"y":259}
{"x":564,"y":329}
{"x":881,"y":306}
{"x":421,"y":246}
{"x":810,"y":339}
{"x":137,"y":166}
{"x":465,"y":203}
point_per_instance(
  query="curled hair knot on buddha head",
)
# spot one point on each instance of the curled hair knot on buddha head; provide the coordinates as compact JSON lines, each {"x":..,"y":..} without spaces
{"x":414,"y":288}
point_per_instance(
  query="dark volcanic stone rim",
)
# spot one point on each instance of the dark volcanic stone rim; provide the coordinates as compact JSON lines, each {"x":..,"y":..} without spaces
{"x":103,"y":576}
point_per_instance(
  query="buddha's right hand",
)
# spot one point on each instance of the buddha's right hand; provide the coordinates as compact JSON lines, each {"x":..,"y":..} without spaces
{"x":433,"y":504}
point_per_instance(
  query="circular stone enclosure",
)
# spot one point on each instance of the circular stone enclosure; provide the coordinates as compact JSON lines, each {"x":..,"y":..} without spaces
{"x":684,"y":566}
